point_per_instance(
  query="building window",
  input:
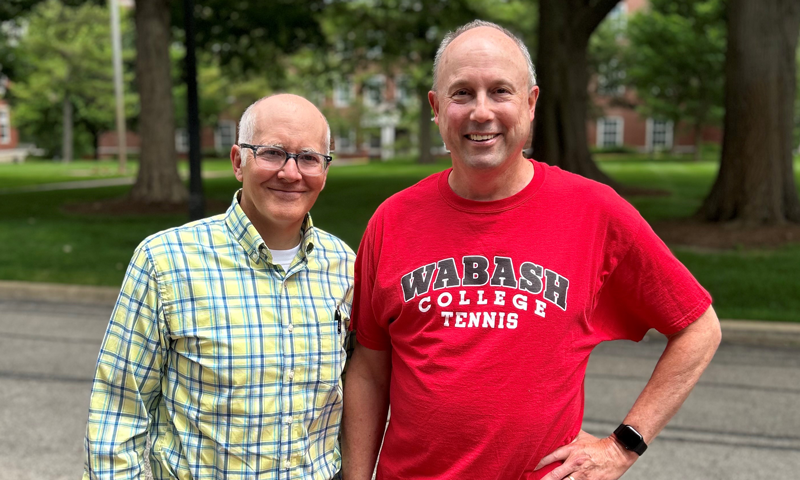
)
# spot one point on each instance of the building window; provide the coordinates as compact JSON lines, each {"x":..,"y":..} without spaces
{"x":659,"y":134}
{"x":345,"y":140}
{"x":375,"y":140}
{"x":374,"y":91}
{"x":402,"y":89}
{"x":342,"y":93}
{"x":609,"y":132}
{"x":226,"y":135}
{"x":181,"y":140}
{"x":5,"y":125}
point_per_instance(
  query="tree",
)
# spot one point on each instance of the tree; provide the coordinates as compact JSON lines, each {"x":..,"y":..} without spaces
{"x":755,"y":183}
{"x":565,"y":27}
{"x":63,"y":64}
{"x":397,"y":35}
{"x":607,"y":60}
{"x":157,"y":180}
{"x":797,"y":109}
{"x":676,"y":58}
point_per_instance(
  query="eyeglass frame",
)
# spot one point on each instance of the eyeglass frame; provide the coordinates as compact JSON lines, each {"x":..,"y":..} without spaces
{"x":254,"y":149}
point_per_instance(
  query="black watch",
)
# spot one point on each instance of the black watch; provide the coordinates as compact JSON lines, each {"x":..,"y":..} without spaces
{"x":630,"y":439}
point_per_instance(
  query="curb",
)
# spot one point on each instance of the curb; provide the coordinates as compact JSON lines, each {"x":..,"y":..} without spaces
{"x":743,"y":332}
{"x":55,"y":292}
{"x":752,"y":332}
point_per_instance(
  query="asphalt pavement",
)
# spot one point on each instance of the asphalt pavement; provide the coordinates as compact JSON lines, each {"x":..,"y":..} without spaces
{"x":741,"y":422}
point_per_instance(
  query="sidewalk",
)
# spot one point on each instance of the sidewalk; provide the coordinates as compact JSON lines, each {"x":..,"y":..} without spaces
{"x":94,"y":183}
{"x":743,"y":332}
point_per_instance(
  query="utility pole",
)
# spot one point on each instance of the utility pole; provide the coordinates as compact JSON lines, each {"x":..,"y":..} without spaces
{"x":116,"y":43}
{"x":196,"y":202}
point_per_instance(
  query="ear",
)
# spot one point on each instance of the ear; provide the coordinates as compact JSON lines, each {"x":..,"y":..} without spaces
{"x":236,"y":162}
{"x":434,"y":101}
{"x":532,"y":97}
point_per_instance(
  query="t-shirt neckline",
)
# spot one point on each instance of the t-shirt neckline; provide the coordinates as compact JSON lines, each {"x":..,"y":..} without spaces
{"x":492,"y":206}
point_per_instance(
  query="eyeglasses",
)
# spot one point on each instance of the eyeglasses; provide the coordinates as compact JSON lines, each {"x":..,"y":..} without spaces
{"x":311,"y":164}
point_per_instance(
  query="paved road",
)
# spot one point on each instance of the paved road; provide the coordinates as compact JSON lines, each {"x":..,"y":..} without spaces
{"x":742,"y":422}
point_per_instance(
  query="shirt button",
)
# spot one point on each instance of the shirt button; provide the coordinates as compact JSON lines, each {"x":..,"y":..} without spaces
{"x":290,"y":328}
{"x":287,"y":419}
{"x":290,"y":374}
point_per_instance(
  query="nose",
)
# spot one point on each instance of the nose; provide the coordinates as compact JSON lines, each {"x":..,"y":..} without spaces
{"x":289,"y":172}
{"x":482,"y":112}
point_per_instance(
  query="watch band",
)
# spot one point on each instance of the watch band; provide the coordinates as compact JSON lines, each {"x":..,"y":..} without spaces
{"x":631,"y":439}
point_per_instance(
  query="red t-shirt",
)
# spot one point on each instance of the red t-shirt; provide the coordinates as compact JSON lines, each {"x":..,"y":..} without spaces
{"x":491,"y":310}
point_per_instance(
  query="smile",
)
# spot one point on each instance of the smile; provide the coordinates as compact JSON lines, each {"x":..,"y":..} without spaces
{"x":290,"y":193}
{"x":482,"y":138}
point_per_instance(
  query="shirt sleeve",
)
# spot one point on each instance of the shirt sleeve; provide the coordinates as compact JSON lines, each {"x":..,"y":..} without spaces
{"x":649,"y":288}
{"x":127,"y":382}
{"x":366,"y":321}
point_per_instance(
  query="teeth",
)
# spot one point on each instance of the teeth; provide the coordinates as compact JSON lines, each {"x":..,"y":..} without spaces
{"x":481,"y":137}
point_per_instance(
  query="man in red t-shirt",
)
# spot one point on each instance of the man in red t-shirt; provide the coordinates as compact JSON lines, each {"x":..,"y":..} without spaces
{"x":481,"y":291}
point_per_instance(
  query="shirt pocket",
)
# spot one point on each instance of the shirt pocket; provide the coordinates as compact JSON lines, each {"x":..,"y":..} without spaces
{"x":329,"y":331}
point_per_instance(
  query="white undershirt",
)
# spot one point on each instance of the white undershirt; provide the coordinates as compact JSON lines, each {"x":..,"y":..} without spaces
{"x":284,"y":257}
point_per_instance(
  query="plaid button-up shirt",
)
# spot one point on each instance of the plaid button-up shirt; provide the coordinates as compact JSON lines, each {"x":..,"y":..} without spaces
{"x":230,"y":364}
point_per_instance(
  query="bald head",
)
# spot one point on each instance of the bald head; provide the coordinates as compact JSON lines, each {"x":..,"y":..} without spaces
{"x":266,"y":110}
{"x":480,"y":29}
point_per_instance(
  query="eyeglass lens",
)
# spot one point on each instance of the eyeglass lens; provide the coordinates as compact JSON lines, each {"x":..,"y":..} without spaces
{"x":275,"y":158}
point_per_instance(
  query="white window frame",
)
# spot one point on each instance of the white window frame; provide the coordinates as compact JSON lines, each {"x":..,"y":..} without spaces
{"x":343,"y":93}
{"x":620,"y":134}
{"x":380,"y":82}
{"x":218,"y":145}
{"x":649,"y":134}
{"x":5,"y":125}
{"x":402,"y":95}
{"x":181,"y":140}
{"x":351,"y":142}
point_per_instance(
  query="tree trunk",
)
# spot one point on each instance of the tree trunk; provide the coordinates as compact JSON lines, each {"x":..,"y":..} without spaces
{"x":560,"y":124}
{"x":158,"y":179}
{"x":755,"y":184}
{"x":66,"y":139}
{"x":424,"y":127}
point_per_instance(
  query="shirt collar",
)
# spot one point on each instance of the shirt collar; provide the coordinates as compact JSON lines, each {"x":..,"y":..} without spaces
{"x":248,"y":237}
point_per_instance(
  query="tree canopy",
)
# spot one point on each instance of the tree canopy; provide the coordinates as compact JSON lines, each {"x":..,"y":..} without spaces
{"x":64,"y":55}
{"x":675,"y":60}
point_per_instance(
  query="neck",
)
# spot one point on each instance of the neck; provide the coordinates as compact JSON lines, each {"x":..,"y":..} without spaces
{"x":281,"y":240}
{"x":276,"y":236}
{"x":496,"y":183}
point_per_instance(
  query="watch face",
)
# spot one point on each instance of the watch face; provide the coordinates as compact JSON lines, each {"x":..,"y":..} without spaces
{"x":628,"y":436}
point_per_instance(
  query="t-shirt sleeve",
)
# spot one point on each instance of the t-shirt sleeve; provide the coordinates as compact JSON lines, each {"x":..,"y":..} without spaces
{"x":648,"y":288}
{"x":366,"y":319}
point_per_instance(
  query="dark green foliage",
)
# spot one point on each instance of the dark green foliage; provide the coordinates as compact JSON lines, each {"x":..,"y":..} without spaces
{"x":676,"y":59}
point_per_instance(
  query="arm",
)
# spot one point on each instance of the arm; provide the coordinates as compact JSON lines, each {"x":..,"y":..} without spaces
{"x":686,"y":356}
{"x":128,"y":379}
{"x":366,"y":403}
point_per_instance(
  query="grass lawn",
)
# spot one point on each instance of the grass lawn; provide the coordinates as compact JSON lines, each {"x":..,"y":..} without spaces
{"x":41,"y":243}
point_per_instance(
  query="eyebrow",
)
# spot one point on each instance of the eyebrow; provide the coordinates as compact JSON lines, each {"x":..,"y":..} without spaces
{"x":302,"y":150}
{"x":464,"y":83}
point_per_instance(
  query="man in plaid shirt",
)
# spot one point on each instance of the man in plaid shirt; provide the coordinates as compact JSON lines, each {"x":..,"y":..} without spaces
{"x":227,"y":341}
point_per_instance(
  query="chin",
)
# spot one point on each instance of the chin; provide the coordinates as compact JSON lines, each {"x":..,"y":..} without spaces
{"x":483,"y":162}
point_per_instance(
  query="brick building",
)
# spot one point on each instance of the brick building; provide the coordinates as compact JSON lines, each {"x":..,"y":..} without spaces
{"x":9,"y":136}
